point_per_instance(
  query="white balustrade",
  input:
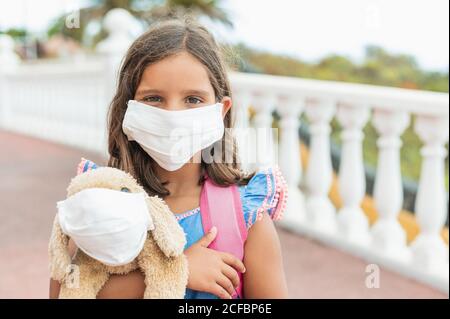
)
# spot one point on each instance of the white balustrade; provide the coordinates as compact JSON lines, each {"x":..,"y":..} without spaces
{"x":352,"y":222}
{"x":319,"y":209}
{"x":264,"y":104}
{"x":390,"y":110}
{"x":289,"y":109}
{"x":389,"y":238}
{"x":9,"y":60}
{"x":429,"y":250}
{"x":65,"y":105}
{"x":241,"y":123}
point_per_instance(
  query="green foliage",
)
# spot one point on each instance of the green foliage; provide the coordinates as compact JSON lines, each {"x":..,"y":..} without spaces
{"x":15,"y":33}
{"x":378,"y":68}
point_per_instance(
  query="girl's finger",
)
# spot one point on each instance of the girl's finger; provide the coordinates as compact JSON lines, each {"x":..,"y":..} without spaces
{"x":231,"y":274}
{"x":234,"y":262}
{"x":226,"y":284}
{"x":208,"y":238}
{"x":221,"y":292}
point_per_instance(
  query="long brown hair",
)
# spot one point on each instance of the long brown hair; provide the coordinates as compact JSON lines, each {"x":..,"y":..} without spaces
{"x":162,"y":40}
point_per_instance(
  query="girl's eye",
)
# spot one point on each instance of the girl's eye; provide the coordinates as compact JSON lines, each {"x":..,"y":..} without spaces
{"x":152,"y":99}
{"x":193,"y":100}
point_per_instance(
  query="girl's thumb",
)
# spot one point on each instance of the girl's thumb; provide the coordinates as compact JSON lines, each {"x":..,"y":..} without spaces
{"x":209,"y":237}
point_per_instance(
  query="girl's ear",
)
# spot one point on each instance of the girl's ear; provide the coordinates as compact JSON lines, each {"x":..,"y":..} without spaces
{"x":58,"y":252}
{"x":227,"y":103}
{"x":168,"y":234}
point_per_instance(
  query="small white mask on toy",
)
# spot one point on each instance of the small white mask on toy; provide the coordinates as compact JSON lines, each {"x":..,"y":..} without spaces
{"x":108,"y":225}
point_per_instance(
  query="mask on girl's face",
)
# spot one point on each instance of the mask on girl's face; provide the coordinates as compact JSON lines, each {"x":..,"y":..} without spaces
{"x":171,"y":138}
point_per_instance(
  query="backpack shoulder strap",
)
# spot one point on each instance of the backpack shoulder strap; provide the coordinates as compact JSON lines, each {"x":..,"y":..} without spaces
{"x":221,"y":207}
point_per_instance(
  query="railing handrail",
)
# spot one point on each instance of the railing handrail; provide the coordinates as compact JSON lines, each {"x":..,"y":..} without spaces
{"x":361,"y":95}
{"x":55,"y":67}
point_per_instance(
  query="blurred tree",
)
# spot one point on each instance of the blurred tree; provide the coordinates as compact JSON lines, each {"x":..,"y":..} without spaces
{"x":196,"y":8}
{"x":15,"y":33}
{"x":383,"y":68}
{"x":378,"y":67}
{"x":336,"y":67}
{"x":145,"y":10}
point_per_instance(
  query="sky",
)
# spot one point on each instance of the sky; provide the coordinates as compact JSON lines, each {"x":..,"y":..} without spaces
{"x":307,"y":29}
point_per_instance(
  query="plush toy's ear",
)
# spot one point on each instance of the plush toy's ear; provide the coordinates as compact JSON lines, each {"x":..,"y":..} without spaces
{"x":85,"y":165}
{"x":58,"y":252}
{"x":58,"y":248}
{"x":167,"y":233}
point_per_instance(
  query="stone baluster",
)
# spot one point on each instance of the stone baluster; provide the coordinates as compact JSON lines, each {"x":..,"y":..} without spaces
{"x":388,"y":236}
{"x":290,"y":109}
{"x":241,"y":103}
{"x":264,"y":105}
{"x":352,"y":222}
{"x":8,"y":61}
{"x":429,"y":251}
{"x":319,"y":209}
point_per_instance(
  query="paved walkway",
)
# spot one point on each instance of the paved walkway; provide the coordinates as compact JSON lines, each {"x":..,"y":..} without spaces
{"x":34,"y":175}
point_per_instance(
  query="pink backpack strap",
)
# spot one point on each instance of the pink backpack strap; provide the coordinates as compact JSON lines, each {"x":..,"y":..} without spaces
{"x":221,"y":207}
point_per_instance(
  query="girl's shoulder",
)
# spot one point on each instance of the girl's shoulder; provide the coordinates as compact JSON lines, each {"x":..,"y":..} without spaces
{"x":266,"y":192}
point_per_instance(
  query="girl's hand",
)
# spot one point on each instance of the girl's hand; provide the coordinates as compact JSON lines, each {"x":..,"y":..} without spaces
{"x":212,"y":271}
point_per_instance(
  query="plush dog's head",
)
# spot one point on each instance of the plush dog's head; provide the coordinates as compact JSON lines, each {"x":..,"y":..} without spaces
{"x":167,"y":233}
{"x":92,"y":176}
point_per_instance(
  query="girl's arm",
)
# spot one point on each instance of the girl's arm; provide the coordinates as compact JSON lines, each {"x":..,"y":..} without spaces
{"x":129,"y":286}
{"x":54,"y":289}
{"x":205,"y":267}
{"x":54,"y":284}
{"x":265,"y":276}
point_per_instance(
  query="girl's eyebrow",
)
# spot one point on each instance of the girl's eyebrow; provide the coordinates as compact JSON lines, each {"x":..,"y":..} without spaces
{"x":195,"y":92}
{"x":149,"y":91}
{"x":187,"y":92}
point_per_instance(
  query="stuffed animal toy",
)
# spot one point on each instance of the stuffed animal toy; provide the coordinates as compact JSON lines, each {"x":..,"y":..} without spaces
{"x":161,"y":257}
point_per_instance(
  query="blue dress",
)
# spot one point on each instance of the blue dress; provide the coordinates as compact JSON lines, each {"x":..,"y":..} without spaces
{"x":264,"y":193}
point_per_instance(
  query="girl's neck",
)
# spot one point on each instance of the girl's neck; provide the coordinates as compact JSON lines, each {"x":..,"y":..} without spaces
{"x":181,"y":180}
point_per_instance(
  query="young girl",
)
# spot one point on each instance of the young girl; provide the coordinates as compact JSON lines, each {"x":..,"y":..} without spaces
{"x":176,"y":66}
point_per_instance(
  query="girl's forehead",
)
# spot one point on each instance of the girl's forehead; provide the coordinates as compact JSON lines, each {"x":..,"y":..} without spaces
{"x":177,"y":71}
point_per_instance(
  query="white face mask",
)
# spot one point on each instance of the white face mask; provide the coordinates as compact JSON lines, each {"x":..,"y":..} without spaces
{"x":108,"y":225}
{"x":171,"y":138}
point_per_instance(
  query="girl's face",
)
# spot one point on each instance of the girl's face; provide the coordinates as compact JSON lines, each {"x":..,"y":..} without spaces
{"x":178,"y":82}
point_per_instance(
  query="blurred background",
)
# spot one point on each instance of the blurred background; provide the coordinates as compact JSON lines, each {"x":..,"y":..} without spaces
{"x":357,"y":88}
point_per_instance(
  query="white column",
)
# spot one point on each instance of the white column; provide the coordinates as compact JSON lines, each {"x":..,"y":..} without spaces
{"x":429,"y":250}
{"x":289,"y":156}
{"x":388,"y":236}
{"x":264,"y":104}
{"x":241,"y":103}
{"x":4,"y":103}
{"x":8,"y":61}
{"x":319,"y":209}
{"x":120,"y":25}
{"x":8,"y":58}
{"x":352,"y":222}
